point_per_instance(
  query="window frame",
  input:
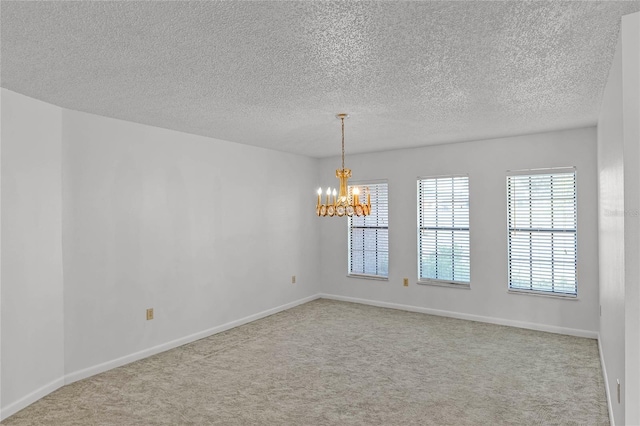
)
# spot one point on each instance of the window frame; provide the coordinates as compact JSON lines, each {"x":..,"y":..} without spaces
{"x":533,"y":172}
{"x":437,"y":281}
{"x":365,"y":183}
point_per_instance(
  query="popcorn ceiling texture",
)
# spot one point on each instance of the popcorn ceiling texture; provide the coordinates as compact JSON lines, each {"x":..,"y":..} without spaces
{"x":273,"y":74}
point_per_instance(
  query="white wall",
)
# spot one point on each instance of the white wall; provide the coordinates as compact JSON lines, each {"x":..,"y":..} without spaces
{"x":204,"y":231}
{"x":619,"y":207}
{"x":32,"y":287}
{"x":611,"y":231}
{"x":630,"y":34}
{"x":1,"y":256}
{"x":486,"y":163}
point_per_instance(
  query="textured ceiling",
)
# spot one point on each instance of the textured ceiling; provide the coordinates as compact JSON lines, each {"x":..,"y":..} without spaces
{"x":273,"y":74}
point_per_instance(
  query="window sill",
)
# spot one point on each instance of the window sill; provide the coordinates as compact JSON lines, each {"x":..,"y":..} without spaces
{"x":368,"y":277}
{"x":443,"y":283}
{"x":542,"y":294}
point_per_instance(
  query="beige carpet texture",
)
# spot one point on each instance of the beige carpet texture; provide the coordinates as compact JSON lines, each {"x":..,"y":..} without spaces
{"x":337,"y":363}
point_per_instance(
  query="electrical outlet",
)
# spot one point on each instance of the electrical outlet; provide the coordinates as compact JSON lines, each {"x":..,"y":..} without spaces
{"x":149,"y":314}
{"x":405,"y":282}
{"x":618,"y":383}
{"x":293,"y":279}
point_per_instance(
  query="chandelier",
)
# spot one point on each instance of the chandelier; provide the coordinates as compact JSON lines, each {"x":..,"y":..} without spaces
{"x":343,"y":202}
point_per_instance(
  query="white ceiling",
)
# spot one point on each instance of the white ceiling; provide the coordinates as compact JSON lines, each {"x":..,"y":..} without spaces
{"x":273,"y":74}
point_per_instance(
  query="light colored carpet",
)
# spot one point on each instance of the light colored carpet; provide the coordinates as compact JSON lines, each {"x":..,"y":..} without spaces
{"x":337,"y":363}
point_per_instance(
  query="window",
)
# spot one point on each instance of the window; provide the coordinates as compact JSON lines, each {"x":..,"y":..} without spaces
{"x":443,"y":229}
{"x":369,"y":235}
{"x":542,"y":221}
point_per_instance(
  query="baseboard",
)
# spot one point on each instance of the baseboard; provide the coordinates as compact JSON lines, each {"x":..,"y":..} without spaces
{"x":470,"y":317}
{"x":29,"y":399}
{"x":118,"y":362}
{"x":606,"y":382}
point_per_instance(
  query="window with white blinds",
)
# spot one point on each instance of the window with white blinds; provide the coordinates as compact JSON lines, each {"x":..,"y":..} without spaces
{"x":542,"y":221}
{"x":369,"y":235}
{"x":443,"y":229}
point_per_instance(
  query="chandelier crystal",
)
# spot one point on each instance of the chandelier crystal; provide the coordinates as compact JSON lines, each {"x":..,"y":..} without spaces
{"x":343,"y":203}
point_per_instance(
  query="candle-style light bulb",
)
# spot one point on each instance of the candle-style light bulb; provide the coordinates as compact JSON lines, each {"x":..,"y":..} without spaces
{"x":319,"y":197}
{"x":319,"y":191}
{"x":334,"y":195}
{"x":356,"y":199}
{"x":328,"y":195}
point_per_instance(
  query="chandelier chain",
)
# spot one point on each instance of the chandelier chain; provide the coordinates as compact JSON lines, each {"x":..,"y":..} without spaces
{"x":342,"y":119}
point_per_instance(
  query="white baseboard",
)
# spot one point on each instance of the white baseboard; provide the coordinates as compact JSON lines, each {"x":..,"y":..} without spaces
{"x":29,"y":399}
{"x":470,"y":317}
{"x":606,"y":383}
{"x":118,"y":362}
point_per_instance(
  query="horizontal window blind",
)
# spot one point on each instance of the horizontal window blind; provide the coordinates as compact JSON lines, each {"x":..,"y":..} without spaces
{"x":369,"y":235}
{"x":542,"y":221}
{"x":443,"y":229}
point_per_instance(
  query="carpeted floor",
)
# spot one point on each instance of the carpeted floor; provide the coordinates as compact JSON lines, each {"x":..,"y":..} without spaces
{"x":337,"y":363}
